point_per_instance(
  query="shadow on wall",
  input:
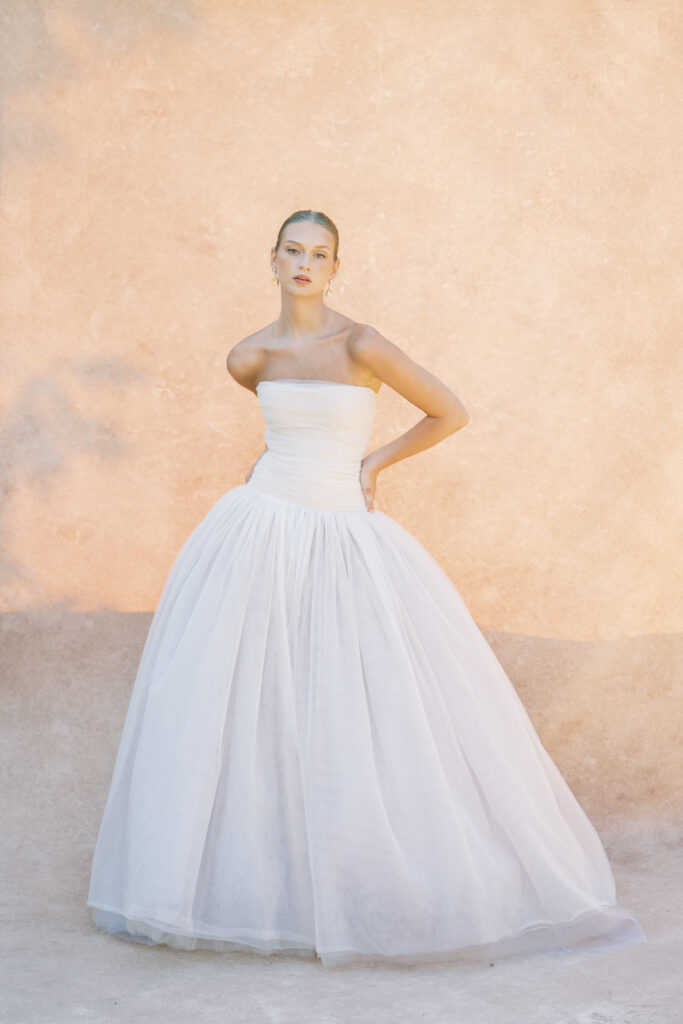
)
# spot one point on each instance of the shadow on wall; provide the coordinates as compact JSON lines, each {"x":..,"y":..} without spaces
{"x":42,"y":432}
{"x":44,"y":429}
{"x":32,"y":54}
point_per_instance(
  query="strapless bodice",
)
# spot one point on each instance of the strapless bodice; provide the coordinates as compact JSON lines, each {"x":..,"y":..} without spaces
{"x":316,"y":435}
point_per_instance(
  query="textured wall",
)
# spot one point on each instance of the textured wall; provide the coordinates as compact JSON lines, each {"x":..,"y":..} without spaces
{"x":506,"y":193}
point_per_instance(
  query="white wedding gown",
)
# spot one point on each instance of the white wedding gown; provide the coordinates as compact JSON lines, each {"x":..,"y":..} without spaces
{"x":322,"y":754}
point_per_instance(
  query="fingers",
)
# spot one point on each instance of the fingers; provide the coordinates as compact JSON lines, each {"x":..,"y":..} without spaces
{"x":368,"y":495}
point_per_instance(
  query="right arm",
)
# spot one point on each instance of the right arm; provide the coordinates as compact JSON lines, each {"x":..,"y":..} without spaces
{"x":244,"y":363}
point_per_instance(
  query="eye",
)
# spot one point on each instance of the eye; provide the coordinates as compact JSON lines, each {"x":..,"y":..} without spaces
{"x":291,"y":250}
{"x":321,"y":254}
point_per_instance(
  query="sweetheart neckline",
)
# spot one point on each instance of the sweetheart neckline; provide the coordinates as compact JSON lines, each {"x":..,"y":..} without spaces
{"x":310,"y":380}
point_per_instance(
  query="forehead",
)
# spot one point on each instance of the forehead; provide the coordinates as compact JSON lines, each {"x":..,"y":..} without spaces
{"x":304,"y":233}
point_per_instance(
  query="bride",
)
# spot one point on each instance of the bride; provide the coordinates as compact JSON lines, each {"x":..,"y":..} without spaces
{"x":322,"y":755}
{"x":310,"y":339}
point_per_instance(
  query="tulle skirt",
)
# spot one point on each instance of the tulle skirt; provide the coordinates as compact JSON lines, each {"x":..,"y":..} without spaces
{"x":322,"y":756}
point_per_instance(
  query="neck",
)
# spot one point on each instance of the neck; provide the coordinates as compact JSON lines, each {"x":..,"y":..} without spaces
{"x":303,"y":317}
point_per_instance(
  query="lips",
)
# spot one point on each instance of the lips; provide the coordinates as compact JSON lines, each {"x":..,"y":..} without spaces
{"x":300,"y":277}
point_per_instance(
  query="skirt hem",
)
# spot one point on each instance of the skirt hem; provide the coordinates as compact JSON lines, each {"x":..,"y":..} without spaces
{"x":598,"y":928}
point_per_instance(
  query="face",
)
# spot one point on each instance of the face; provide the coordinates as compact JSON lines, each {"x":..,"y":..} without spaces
{"x":305,"y":251}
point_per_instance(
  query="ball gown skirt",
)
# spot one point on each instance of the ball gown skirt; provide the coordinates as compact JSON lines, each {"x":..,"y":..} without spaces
{"x":321,"y":754}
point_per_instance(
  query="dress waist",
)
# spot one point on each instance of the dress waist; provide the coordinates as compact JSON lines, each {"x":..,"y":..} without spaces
{"x":317,"y":483}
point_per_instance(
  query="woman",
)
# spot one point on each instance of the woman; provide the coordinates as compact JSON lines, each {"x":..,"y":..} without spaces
{"x":322,"y":754}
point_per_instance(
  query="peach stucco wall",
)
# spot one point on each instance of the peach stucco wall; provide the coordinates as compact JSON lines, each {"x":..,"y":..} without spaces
{"x":505,"y":182}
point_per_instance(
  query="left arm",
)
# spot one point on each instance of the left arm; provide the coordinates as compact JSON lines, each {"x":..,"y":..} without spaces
{"x":444,"y":412}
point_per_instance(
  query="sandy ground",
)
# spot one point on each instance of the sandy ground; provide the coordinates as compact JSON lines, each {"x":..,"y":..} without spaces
{"x":66,"y":683}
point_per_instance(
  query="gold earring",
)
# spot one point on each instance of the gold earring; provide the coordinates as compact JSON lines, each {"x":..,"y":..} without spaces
{"x":329,"y":289}
{"x":276,"y":279}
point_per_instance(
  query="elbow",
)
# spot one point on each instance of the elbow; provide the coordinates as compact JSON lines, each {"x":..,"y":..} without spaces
{"x":458,"y":417}
{"x":452,"y":424}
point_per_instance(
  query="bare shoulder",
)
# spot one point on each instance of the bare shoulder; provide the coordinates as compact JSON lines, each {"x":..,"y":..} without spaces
{"x":246,"y":359}
{"x":364,"y":339}
{"x":393,"y":366}
{"x":376,"y":354}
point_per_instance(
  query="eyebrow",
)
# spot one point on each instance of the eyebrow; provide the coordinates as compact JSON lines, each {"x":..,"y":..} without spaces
{"x":288,"y":240}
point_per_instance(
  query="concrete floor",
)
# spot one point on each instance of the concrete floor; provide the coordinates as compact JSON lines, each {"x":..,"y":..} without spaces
{"x":60,"y":733}
{"x":57,"y":970}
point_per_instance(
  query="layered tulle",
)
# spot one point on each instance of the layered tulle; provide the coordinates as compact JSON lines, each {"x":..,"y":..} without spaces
{"x":322,"y":755}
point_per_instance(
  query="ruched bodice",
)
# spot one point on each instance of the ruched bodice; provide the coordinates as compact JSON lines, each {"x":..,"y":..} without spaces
{"x":317,"y":432}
